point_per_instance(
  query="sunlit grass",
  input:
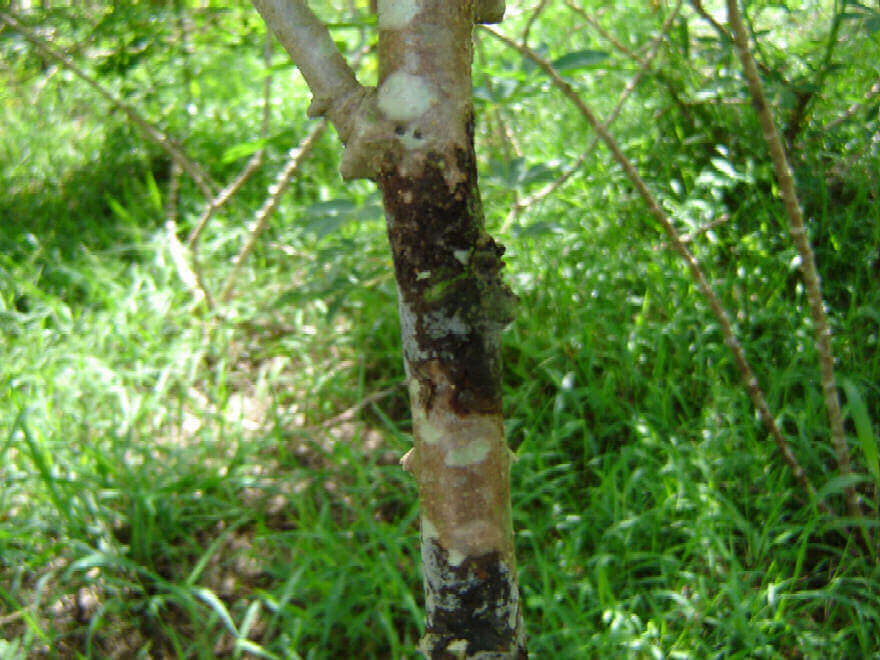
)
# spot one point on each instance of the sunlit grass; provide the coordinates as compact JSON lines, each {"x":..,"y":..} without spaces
{"x":180,"y":482}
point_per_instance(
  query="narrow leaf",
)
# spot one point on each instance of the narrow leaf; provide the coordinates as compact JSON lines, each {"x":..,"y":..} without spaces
{"x":859,"y":412}
{"x":241,"y":150}
{"x":153,"y":191}
{"x":209,"y":597}
{"x":581,"y":59}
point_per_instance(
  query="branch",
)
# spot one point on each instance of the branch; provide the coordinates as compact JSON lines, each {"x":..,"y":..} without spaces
{"x":749,"y":379}
{"x":193,"y":169}
{"x":252,"y":165}
{"x":294,"y":161}
{"x":720,"y":29}
{"x":799,"y":237}
{"x":607,"y":35}
{"x":646,"y":63}
{"x":854,"y":108}
{"x":488,"y":11}
{"x":531,"y":21}
{"x":308,"y":42}
{"x":805,"y":98}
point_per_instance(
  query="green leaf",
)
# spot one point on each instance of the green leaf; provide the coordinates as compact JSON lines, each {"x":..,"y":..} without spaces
{"x":241,"y":150}
{"x":580,"y":59}
{"x":153,"y":191}
{"x":539,"y":229}
{"x":328,"y":217}
{"x":837,"y":484}
{"x":539,"y":173}
{"x":211,"y":599}
{"x":859,"y":412}
{"x":118,"y":209}
{"x":725,"y":168}
{"x":332,"y":207}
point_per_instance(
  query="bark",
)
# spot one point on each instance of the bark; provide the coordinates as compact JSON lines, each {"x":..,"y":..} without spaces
{"x":413,"y":135}
{"x":798,"y":231}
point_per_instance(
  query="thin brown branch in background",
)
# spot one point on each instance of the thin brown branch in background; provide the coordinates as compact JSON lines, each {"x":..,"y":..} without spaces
{"x":553,"y":186}
{"x":192,"y":168}
{"x":276,"y":190}
{"x":253,"y":164}
{"x":172,"y":201}
{"x":749,"y":379}
{"x":188,"y":274}
{"x":798,"y":231}
{"x":610,"y":38}
{"x":702,"y":229}
{"x":854,"y":108}
{"x":531,"y":21}
{"x":720,"y":29}
{"x":805,"y":97}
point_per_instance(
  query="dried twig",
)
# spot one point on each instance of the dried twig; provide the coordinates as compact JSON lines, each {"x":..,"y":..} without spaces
{"x":854,"y":108}
{"x":190,"y":276}
{"x":226,"y":194}
{"x":798,"y":231}
{"x":749,"y":379}
{"x":702,"y":229}
{"x":250,"y":167}
{"x":610,"y":38}
{"x":261,"y":220}
{"x":350,"y":413}
{"x":521,"y":205}
{"x":192,"y":168}
{"x":720,"y":29}
{"x":531,"y":21}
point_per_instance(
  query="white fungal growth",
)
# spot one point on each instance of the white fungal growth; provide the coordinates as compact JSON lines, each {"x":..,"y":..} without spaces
{"x":473,"y":452}
{"x":396,"y":14}
{"x":410,"y":142}
{"x":429,"y":531}
{"x":455,"y":557}
{"x":405,"y":97}
{"x":428,"y":433}
{"x":457,"y":646}
{"x":439,"y":324}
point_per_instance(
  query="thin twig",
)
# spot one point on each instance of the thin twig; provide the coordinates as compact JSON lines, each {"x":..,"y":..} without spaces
{"x":261,"y":219}
{"x":610,"y":38}
{"x":747,"y":374}
{"x":531,"y":21}
{"x":854,"y":108}
{"x":801,"y":110}
{"x":702,"y":229}
{"x":350,"y":413}
{"x":173,"y":199}
{"x":192,"y":168}
{"x":720,"y":29}
{"x":186,"y":273}
{"x":526,"y":202}
{"x":798,"y":231}
{"x":252,"y":166}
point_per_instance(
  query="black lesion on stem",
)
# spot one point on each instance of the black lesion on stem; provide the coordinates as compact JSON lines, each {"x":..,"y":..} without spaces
{"x":449,"y":269}
{"x":471,"y":601}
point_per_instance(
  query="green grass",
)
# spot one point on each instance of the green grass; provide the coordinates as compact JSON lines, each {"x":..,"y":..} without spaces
{"x":177,"y":483}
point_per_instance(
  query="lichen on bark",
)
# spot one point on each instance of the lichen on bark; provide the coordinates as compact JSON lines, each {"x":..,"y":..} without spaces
{"x":413,"y":135}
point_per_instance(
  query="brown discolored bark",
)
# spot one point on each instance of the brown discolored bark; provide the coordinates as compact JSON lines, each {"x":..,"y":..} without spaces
{"x":413,"y":135}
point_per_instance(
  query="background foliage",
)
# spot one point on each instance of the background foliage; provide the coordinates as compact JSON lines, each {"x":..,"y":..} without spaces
{"x":181,"y":482}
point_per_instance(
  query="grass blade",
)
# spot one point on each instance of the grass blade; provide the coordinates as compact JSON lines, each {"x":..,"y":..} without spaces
{"x":859,"y":412}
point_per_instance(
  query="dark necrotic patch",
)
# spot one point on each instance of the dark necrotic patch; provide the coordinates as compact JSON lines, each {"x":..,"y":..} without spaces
{"x":471,"y":601}
{"x":430,"y":227}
